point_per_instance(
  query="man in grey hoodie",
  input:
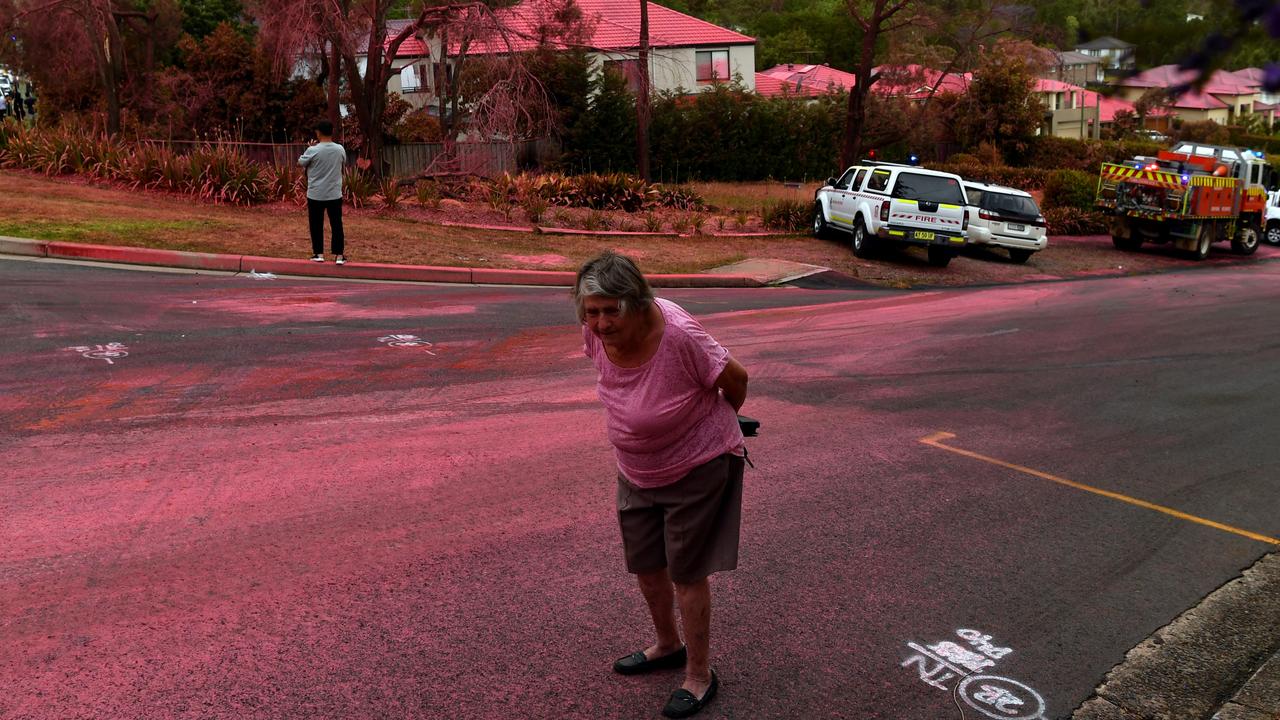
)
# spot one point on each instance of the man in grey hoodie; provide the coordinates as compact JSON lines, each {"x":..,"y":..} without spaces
{"x":324,"y":160}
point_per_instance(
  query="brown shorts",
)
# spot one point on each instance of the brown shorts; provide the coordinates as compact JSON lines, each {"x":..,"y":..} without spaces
{"x":689,"y":527}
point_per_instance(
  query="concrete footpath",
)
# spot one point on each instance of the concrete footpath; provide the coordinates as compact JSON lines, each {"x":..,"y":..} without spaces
{"x":1219,"y":660}
{"x":759,"y":274}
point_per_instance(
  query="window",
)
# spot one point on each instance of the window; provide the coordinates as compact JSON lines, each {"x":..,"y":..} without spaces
{"x":1018,"y":206}
{"x":713,"y":65}
{"x":930,"y":188}
{"x":410,"y":80}
{"x":879,"y":180}
{"x":629,"y":69}
{"x":862,"y":175}
{"x":845,"y":179}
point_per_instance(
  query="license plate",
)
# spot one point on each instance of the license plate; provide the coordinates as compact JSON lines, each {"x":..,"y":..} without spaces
{"x":921,"y":235}
{"x":1017,"y":228}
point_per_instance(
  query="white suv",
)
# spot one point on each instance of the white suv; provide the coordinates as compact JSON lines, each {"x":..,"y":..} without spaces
{"x":904,"y":204}
{"x":1006,"y":218}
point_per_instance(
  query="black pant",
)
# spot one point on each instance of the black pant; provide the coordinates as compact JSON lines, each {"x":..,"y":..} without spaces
{"x":315,"y":214}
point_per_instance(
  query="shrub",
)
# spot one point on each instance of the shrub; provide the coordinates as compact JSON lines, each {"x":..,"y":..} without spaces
{"x":389,"y":188}
{"x":287,"y":182}
{"x":534,"y":206}
{"x":358,"y":186}
{"x":681,"y":224}
{"x":1070,"y":189}
{"x":1075,"y":221}
{"x":679,"y":198}
{"x":595,"y":220}
{"x":720,"y":223}
{"x":791,"y":215}
{"x":740,"y":218}
{"x":652,"y":223}
{"x":1020,"y":178}
{"x":428,"y":193}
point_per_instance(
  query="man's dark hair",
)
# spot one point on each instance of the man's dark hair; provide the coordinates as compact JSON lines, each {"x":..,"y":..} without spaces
{"x":324,"y":127}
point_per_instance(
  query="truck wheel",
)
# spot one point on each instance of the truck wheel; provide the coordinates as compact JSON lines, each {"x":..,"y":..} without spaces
{"x":1019,"y":256}
{"x":1203,"y":240}
{"x":862,"y":244}
{"x":1246,"y":241}
{"x":940,"y":256}
{"x":1273,"y":232}
{"x":1128,"y":244}
{"x":820,"y":227}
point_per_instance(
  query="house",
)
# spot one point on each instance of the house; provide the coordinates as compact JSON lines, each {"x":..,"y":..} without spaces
{"x":686,"y":54}
{"x":917,"y":82}
{"x":1223,"y":98}
{"x":1072,"y":111}
{"x":1266,"y":104}
{"x":1115,"y":55}
{"x":802,"y":80}
{"x":1075,"y":68}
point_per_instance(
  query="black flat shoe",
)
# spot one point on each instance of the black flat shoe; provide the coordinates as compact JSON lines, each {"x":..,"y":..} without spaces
{"x":684,"y":704}
{"x":634,"y":664}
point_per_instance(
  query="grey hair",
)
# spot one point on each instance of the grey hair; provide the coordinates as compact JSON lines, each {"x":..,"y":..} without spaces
{"x":613,"y":276}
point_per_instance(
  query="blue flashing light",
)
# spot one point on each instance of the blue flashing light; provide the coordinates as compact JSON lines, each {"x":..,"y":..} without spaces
{"x":1185,"y":178}
{"x":914,"y":159}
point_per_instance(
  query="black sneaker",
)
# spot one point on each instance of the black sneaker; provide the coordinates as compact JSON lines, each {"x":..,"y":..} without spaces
{"x":317,"y":258}
{"x":342,"y":260}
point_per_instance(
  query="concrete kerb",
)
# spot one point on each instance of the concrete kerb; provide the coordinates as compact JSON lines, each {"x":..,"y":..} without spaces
{"x":359,"y":271}
{"x":22,"y":246}
{"x":1195,"y":664}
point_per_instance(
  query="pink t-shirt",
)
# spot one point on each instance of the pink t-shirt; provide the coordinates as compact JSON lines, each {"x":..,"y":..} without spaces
{"x":666,"y":417}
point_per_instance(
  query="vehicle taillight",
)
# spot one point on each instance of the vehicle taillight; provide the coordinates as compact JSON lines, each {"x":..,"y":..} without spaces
{"x":884,"y":211}
{"x":964,"y":224}
{"x":987,"y":216}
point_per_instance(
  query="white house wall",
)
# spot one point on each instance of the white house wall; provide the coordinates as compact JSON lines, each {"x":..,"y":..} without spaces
{"x":676,"y":69}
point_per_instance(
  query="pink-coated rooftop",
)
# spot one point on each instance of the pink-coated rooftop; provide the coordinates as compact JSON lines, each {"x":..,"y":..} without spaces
{"x":612,"y":25}
{"x":1168,"y":76}
{"x":818,"y":78}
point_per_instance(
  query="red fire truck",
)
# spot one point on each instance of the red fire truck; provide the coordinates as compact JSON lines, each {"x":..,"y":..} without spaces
{"x":1191,"y":196}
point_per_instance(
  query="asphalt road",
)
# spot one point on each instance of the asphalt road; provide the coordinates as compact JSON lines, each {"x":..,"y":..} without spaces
{"x":267,"y":509}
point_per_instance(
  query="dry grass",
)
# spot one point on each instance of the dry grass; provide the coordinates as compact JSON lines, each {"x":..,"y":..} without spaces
{"x":754,"y":195}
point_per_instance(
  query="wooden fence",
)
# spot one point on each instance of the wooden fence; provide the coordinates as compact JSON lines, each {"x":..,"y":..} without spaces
{"x":409,"y":159}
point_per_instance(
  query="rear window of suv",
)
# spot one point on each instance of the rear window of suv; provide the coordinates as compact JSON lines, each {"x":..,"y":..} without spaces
{"x":931,"y":188}
{"x":1013,"y":205}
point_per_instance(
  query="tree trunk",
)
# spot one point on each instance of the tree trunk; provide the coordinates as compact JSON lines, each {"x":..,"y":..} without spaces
{"x":855,"y":119}
{"x":642,"y":97}
{"x":335,"y":62}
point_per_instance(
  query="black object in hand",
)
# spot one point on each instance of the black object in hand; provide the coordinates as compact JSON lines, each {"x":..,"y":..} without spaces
{"x":749,"y":425}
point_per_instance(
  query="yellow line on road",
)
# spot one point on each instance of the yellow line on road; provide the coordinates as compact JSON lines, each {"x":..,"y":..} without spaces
{"x":935,"y":440}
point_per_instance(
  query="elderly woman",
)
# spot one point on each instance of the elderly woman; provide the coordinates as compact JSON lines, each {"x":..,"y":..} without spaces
{"x":671,"y":395}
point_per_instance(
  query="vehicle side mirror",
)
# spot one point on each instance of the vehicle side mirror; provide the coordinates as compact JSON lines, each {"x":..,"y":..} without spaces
{"x":831,"y":181}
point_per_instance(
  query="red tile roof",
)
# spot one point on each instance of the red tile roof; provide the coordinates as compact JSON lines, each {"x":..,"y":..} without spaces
{"x":770,"y":86}
{"x":412,"y":47}
{"x":916,"y":81}
{"x":1168,"y":76}
{"x":614,"y":25}
{"x":816,"y":78}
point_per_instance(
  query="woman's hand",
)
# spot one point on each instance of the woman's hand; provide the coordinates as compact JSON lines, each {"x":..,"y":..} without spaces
{"x":733,"y":383}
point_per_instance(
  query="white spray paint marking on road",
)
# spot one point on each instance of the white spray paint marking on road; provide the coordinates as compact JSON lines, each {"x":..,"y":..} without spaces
{"x":407,"y":341}
{"x":109,"y":352}
{"x":261,"y":276}
{"x":952,"y":667}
